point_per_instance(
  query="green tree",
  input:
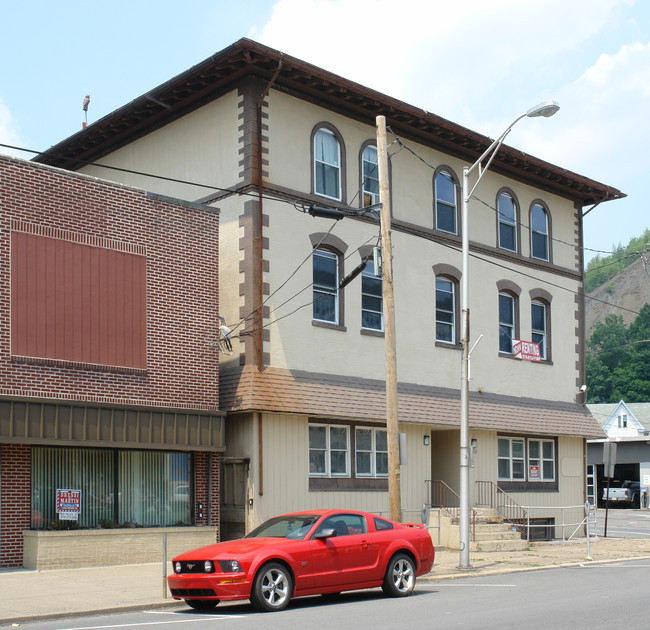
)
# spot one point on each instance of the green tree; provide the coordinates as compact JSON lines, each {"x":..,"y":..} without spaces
{"x":618,"y":360}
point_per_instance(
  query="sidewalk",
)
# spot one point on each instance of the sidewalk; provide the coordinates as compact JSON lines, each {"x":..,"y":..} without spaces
{"x":30,"y":595}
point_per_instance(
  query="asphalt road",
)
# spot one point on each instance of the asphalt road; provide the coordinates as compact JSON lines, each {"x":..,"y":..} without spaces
{"x":594,"y":596}
{"x":624,"y":523}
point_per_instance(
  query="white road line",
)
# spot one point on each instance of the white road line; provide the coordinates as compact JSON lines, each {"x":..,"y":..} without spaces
{"x":466,"y":585}
{"x":155,"y":623}
{"x":188,"y":611}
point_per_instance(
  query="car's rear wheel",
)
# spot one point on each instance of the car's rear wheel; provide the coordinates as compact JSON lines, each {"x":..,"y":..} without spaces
{"x":399,"y":580}
{"x":272,"y":588}
{"x":202,"y":604}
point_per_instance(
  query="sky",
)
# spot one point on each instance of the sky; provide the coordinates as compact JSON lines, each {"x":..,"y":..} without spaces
{"x":478,"y":63}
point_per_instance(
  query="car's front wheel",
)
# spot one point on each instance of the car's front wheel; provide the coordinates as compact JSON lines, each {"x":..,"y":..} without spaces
{"x":202,"y":604}
{"x":399,"y":580}
{"x":272,"y":588}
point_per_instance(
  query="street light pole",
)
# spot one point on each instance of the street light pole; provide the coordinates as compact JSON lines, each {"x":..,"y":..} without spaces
{"x":545,"y":110}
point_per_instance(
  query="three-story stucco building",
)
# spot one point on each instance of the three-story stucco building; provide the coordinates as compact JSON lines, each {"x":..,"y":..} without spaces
{"x":264,"y":137}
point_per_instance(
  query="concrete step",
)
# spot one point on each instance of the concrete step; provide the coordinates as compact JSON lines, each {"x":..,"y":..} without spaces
{"x":506,"y":534}
{"x":498,"y":545}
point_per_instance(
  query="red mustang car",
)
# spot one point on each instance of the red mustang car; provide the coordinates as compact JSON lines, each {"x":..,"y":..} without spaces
{"x":305,"y":553}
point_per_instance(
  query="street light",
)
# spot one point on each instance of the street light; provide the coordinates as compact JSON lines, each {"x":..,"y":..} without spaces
{"x":544,"y":110}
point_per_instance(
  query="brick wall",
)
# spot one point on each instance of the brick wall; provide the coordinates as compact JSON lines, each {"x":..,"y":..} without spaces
{"x":207,"y":487}
{"x":15,"y":467}
{"x":180,"y":243}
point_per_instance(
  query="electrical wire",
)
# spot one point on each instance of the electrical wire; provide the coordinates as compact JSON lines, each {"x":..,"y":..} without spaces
{"x":432,"y":167}
{"x":294,"y":204}
{"x":175,"y":180}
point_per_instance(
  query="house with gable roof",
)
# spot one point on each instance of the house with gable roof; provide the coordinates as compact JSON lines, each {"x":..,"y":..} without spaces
{"x":628,"y":426}
{"x":264,"y":137}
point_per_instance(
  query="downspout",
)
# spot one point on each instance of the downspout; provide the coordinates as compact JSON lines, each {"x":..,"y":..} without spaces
{"x":260,"y":236}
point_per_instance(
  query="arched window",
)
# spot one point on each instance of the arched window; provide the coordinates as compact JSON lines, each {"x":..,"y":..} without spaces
{"x":507,"y":221}
{"x":539,"y":318}
{"x":326,"y":286}
{"x":445,"y":310}
{"x":539,"y":232}
{"x":327,"y":164}
{"x":507,"y":321}
{"x":369,"y":176}
{"x":446,"y":211}
{"x":372,"y":303}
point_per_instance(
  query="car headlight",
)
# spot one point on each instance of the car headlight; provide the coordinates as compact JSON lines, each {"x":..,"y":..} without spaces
{"x":229,"y":566}
{"x":177,"y":567}
{"x":208,"y":566}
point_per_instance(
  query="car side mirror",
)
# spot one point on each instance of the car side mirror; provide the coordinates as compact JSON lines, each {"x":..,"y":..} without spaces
{"x":328,"y":532}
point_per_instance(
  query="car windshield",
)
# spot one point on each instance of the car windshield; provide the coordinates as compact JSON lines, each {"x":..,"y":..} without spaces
{"x":294,"y":527}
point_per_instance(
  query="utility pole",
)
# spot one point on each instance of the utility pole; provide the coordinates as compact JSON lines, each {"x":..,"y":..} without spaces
{"x":394,"y":494}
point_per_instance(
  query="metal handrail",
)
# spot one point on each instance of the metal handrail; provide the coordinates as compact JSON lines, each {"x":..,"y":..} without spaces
{"x":491,"y":495}
{"x":443,"y":497}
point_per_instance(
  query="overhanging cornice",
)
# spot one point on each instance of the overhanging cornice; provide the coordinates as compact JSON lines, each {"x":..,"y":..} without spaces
{"x":245,"y":58}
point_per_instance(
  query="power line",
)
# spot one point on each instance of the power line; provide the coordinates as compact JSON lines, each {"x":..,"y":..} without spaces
{"x":434,"y":168}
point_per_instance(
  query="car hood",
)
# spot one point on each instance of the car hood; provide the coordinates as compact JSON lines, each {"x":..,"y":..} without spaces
{"x":235,"y":548}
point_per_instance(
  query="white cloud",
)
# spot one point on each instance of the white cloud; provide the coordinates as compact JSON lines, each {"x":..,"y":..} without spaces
{"x":602,"y":128}
{"x":8,"y":132}
{"x":482,"y":63}
{"x":455,"y":59}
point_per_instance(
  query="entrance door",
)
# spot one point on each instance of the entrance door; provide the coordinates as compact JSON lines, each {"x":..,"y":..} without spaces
{"x":234,"y":483}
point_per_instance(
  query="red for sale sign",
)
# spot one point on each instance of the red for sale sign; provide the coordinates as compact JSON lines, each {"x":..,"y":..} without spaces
{"x":68,"y":504}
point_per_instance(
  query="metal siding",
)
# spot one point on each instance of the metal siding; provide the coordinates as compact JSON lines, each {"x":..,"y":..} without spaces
{"x":78,"y":303}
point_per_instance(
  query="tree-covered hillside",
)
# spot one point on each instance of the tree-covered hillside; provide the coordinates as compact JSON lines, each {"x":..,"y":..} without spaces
{"x":600,"y":270}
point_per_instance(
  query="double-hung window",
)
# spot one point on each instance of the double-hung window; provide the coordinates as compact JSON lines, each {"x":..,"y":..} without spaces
{"x":372,"y":308}
{"x":371,"y":450}
{"x":370,"y":174}
{"x":538,"y":318}
{"x":325,"y":286}
{"x":525,"y":459}
{"x":538,"y":232}
{"x":507,"y":212}
{"x":329,"y":450}
{"x":506,"y":322}
{"x":541,"y":460}
{"x":445,"y":311}
{"x":327,"y":165}
{"x":511,"y":459}
{"x":446,"y":211}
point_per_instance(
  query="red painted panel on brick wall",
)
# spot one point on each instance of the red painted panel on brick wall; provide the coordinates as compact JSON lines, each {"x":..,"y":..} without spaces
{"x":75,"y":302}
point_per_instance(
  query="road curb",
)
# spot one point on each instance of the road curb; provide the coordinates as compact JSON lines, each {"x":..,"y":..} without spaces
{"x":461,"y":573}
{"x":87,"y":613}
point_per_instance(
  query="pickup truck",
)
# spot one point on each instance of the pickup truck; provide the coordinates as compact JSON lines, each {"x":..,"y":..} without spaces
{"x":629,"y":492}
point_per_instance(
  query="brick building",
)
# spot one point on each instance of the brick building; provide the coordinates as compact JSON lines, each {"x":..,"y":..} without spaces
{"x":108,"y":355}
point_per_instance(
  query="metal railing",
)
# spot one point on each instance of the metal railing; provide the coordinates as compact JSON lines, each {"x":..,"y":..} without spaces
{"x":443,"y":497}
{"x":490,"y":495}
{"x":571,"y":518}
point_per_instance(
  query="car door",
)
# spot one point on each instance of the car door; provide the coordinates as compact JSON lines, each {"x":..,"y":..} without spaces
{"x":347,"y":558}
